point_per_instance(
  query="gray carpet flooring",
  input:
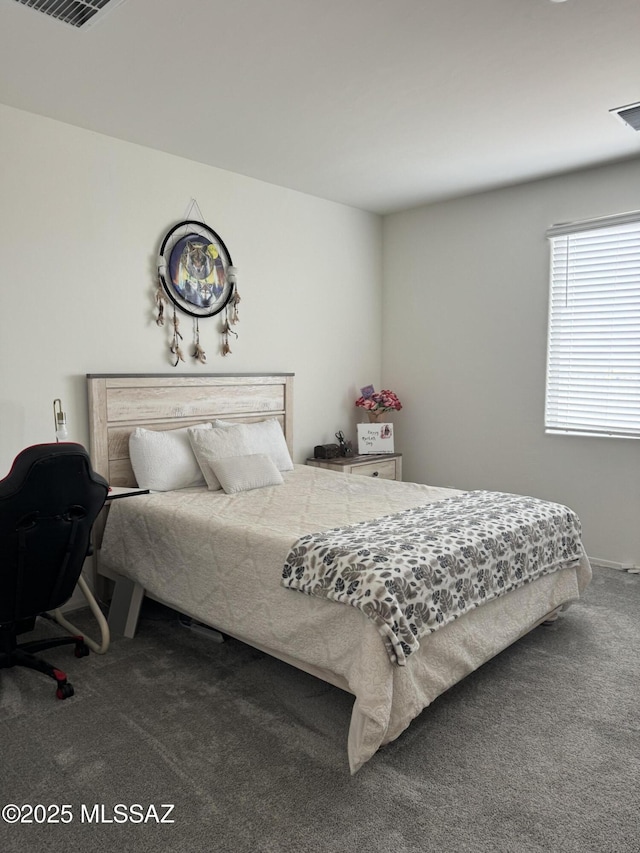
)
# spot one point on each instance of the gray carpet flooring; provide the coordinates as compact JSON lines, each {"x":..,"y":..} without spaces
{"x":537,"y":751}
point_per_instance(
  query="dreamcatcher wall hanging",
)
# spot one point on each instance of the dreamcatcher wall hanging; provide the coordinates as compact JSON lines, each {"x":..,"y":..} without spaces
{"x":196,"y":276}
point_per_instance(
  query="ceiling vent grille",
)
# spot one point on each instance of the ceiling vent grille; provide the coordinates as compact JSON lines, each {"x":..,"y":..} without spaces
{"x":630,"y":115}
{"x":76,"y":13}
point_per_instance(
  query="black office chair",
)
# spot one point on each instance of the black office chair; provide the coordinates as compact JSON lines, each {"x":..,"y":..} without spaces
{"x":48,"y":504}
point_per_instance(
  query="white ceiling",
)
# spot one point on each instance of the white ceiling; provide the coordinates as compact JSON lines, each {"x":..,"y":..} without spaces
{"x":379,"y":104}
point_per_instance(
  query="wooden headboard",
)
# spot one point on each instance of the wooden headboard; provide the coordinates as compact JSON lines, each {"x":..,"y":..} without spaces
{"x":118,"y":403}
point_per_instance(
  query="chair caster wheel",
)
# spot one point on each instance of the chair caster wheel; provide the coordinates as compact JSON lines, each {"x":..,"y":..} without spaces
{"x":64,"y":691}
{"x":81,"y":650}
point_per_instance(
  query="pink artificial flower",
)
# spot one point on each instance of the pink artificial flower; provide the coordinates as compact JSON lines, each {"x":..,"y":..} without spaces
{"x":380,"y":401}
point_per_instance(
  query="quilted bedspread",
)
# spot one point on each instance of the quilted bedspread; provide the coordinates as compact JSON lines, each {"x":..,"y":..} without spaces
{"x":219,"y":559}
{"x":417,"y":570}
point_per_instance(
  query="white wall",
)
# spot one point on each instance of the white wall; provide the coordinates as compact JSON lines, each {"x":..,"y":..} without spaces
{"x":81,"y":220}
{"x":464,"y":346}
{"x":465,"y":310}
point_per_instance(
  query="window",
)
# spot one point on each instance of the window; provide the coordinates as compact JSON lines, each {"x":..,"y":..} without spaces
{"x":593,"y":355}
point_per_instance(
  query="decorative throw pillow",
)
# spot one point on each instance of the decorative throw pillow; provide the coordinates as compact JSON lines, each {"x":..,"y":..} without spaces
{"x":242,"y":473}
{"x":163,"y":460}
{"x":265,"y":437}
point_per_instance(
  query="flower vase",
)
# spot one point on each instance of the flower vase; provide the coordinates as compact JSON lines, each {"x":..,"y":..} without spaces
{"x":376,"y":417}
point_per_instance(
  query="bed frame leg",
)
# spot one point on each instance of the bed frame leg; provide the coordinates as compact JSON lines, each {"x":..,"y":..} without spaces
{"x":550,"y":618}
{"x":125,"y":607}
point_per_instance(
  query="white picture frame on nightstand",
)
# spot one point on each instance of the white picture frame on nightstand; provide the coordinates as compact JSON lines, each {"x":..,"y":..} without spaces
{"x":375,"y":438}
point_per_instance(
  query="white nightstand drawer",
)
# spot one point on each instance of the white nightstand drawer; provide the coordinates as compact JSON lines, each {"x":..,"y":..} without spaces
{"x":384,"y":469}
{"x":387,"y":467}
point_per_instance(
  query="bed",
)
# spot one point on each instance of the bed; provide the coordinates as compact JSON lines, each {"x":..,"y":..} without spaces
{"x":219,"y":558}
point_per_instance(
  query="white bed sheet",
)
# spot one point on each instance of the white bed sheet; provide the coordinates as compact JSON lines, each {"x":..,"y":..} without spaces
{"x":219,"y":558}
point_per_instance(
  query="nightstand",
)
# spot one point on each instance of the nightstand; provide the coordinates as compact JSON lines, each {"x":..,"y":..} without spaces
{"x":385,"y":466}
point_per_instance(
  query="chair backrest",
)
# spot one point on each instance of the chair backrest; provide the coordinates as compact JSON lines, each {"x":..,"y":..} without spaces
{"x":48,"y":504}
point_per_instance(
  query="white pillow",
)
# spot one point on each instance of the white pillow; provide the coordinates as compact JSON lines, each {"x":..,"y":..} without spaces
{"x":242,"y":473}
{"x":163,"y":460}
{"x":265,"y":437}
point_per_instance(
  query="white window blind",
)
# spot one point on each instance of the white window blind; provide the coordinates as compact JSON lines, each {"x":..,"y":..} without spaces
{"x":593,"y":356}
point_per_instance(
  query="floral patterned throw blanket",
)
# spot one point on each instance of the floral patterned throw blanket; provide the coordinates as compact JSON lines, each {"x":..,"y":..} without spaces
{"x":417,"y":570}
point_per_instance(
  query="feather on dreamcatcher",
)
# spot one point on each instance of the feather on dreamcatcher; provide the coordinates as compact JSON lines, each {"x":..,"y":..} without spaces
{"x":196,"y":276}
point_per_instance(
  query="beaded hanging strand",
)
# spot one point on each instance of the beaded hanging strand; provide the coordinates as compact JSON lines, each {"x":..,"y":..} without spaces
{"x":226,"y":331}
{"x":232,"y":278}
{"x":174,"y":346}
{"x":198,"y":353}
{"x":234,"y":318}
{"x":161,"y":300}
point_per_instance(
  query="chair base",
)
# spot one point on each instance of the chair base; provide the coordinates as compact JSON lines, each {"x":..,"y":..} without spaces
{"x":14,"y":654}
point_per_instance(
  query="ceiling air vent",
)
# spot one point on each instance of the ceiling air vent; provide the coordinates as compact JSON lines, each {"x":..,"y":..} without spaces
{"x":630,"y":115}
{"x":76,"y":13}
